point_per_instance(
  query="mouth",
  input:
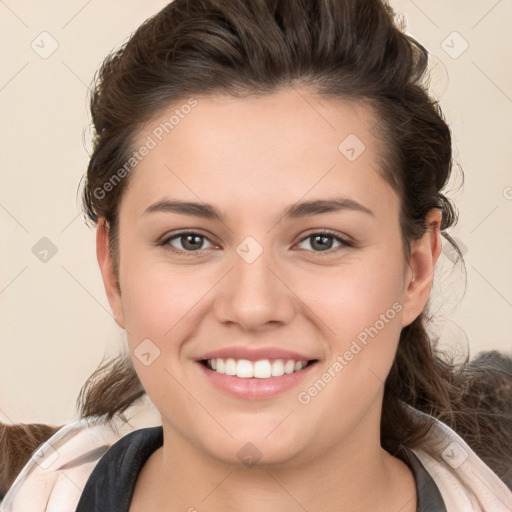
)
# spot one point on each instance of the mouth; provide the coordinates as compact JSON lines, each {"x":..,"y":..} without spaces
{"x":260,"y":369}
{"x":260,"y":379}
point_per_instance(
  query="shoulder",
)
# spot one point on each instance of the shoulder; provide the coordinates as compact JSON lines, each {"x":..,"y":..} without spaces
{"x":58,"y":470}
{"x":112,"y":482}
{"x":465,"y":482}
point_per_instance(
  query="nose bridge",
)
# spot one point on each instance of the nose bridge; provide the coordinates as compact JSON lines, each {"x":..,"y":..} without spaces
{"x":253,"y":294}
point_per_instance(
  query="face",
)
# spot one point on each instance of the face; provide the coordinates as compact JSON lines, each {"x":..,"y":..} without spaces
{"x":266,"y":279}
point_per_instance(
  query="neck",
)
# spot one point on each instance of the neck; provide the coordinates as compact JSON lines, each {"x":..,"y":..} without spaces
{"x":357,"y":476}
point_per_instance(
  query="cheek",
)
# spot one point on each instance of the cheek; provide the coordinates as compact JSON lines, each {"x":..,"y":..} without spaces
{"x":353,"y":297}
{"x":361,"y":313}
{"x":359,"y":306}
{"x":153,"y":300}
{"x":161,"y":308}
{"x":162,"y":302}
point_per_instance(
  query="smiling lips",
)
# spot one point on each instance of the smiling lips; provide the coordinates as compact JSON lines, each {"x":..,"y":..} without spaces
{"x":255,"y":374}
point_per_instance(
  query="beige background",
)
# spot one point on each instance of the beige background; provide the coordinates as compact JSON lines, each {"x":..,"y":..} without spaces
{"x":55,"y":320}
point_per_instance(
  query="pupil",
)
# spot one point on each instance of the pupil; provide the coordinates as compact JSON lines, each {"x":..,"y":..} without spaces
{"x":324,"y":241}
{"x":192,"y":246}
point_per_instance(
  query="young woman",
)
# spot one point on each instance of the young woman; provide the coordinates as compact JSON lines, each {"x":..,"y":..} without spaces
{"x":266,"y":183}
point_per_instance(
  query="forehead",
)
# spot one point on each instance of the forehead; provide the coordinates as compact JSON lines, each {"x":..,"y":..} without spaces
{"x":230,"y":151}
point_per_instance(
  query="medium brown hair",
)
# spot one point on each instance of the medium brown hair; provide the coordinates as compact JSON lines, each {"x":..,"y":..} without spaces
{"x":355,"y":50}
{"x":17,"y":443}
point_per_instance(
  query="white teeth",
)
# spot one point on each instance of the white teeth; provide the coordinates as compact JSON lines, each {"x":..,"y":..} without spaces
{"x":277,"y":368}
{"x":230,"y":367}
{"x":262,"y":369}
{"x":289,"y":367}
{"x":244,"y":369}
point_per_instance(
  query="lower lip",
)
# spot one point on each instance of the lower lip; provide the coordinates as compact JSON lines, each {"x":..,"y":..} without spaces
{"x":254,"y":388}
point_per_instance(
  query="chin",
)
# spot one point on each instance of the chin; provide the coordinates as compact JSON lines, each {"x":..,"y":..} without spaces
{"x":256,"y":452}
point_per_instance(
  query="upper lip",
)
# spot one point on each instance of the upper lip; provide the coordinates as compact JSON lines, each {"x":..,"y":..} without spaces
{"x":254,"y":354}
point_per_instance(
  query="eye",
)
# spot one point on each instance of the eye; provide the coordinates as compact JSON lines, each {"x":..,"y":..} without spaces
{"x":189,"y":241}
{"x":322,"y":241}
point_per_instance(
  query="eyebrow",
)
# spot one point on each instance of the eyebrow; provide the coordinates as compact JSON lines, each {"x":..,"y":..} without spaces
{"x":295,"y":211}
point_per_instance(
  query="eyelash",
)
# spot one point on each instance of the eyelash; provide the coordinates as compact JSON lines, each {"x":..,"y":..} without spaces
{"x":343,"y":241}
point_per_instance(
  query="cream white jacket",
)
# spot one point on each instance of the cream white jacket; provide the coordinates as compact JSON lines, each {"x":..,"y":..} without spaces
{"x":54,"y":477}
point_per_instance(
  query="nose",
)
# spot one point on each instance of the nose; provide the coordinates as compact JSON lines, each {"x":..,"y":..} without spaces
{"x":255,"y":295}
